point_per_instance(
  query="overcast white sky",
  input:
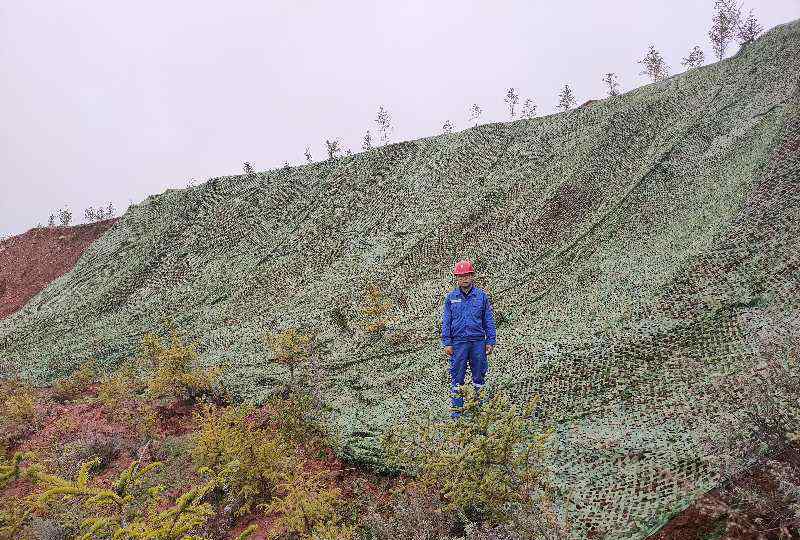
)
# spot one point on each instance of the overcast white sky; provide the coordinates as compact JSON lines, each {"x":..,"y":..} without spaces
{"x":113,"y":101}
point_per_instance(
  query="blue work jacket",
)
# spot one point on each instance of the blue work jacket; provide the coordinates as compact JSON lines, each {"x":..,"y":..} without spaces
{"x":467,"y":317}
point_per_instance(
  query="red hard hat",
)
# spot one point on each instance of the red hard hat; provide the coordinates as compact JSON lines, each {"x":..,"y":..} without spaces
{"x":463,"y":267}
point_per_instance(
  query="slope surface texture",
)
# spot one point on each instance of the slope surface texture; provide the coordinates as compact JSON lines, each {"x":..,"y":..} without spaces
{"x":632,"y":248}
{"x":30,"y":261}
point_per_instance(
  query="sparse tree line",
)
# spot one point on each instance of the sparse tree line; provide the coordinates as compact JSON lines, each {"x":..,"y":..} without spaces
{"x":333,"y":147}
{"x":91,"y":215}
{"x":99,"y":214}
{"x":727,"y":24}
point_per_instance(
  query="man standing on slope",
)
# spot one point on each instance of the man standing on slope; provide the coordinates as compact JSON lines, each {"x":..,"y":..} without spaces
{"x":468,"y":333}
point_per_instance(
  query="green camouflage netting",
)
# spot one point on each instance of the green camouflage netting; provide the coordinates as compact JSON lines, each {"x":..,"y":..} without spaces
{"x":633,"y":248}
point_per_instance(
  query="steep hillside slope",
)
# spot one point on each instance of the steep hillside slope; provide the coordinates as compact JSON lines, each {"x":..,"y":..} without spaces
{"x":30,"y":261}
{"x":632,"y":248}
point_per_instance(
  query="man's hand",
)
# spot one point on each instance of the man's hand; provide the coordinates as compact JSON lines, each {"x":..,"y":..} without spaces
{"x":449,"y":350}
{"x":489,"y":349}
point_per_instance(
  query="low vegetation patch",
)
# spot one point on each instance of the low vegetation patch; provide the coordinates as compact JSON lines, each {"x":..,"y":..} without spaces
{"x":176,"y":374}
{"x":75,"y":385}
{"x":486,"y":468}
{"x":262,"y":458}
{"x":309,"y":507}
{"x":154,"y":451}
{"x":17,"y":412}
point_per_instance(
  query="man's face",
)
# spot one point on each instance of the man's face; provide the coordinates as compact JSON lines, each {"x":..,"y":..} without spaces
{"x":465,"y":280}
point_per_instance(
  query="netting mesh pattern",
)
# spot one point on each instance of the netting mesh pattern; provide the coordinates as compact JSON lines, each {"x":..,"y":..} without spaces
{"x":623,"y":244}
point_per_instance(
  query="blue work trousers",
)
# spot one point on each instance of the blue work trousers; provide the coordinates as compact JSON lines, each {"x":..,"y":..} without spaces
{"x":474,"y":354}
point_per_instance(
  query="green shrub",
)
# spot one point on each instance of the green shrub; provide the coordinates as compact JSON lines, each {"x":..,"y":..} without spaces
{"x":119,"y":393}
{"x":13,"y":469}
{"x":308,"y":508}
{"x":299,"y":421}
{"x":17,"y":412}
{"x":263,"y":458}
{"x":130,"y":509}
{"x":290,"y":349}
{"x":123,"y":385}
{"x":175,"y":372}
{"x":14,"y":515}
{"x":485,"y":465}
{"x":76,"y":384}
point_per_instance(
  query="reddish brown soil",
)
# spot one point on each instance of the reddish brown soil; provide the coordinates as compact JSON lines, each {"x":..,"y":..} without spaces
{"x":30,"y":261}
{"x":85,"y":419}
{"x":711,"y":514}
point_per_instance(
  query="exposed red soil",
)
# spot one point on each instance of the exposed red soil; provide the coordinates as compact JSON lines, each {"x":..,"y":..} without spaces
{"x":713,"y":512}
{"x":30,"y":261}
{"x":85,"y":419}
{"x":61,"y":424}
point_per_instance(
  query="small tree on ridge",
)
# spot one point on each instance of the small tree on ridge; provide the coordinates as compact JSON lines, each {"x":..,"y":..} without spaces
{"x":749,"y":30}
{"x":528,"y":108}
{"x":332,"y":147}
{"x":723,"y":25}
{"x":475,"y":113}
{"x":566,"y":99}
{"x":65,"y":216}
{"x":654,"y":65}
{"x":613,"y":86}
{"x":511,"y":99}
{"x":695,"y":59}
{"x":384,"y":121}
